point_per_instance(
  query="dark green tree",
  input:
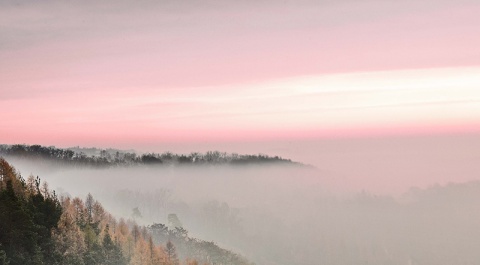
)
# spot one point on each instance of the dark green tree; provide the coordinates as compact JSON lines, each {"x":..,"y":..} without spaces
{"x":112,"y":252}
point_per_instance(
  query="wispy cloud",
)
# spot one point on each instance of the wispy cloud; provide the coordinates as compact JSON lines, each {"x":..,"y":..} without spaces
{"x":158,"y":68}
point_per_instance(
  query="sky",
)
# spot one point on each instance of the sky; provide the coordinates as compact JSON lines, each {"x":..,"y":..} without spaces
{"x":148,"y":75}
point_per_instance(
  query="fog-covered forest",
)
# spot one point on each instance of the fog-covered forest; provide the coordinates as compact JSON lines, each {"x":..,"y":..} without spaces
{"x":39,"y":227}
{"x":269,"y":214}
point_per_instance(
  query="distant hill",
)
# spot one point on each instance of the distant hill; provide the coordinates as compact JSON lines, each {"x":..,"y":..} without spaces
{"x":95,"y":157}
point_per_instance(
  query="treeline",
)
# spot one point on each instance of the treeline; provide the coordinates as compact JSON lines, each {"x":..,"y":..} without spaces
{"x":37,"y":227}
{"x":109,"y":157}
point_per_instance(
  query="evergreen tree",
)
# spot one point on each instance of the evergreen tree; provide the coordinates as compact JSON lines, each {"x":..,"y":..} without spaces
{"x":112,"y":252}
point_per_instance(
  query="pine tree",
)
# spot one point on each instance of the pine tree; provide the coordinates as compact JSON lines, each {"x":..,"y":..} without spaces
{"x":112,"y":252}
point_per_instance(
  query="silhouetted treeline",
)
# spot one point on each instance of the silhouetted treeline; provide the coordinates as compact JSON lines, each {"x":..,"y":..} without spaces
{"x":110,"y":157}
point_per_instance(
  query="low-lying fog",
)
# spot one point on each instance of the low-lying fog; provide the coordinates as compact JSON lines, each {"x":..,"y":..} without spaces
{"x":296,"y":215}
{"x":382,"y":165}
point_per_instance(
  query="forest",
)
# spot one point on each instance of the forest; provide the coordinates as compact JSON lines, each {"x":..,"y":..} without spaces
{"x":39,"y":227}
{"x":94,"y":157}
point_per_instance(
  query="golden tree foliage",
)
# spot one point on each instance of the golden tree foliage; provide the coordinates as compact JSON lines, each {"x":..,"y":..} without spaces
{"x":141,"y":255}
{"x":8,"y":173}
{"x":68,"y":238}
{"x":82,"y":226}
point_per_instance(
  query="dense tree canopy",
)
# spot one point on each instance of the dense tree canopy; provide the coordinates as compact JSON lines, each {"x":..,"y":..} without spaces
{"x":28,"y":214}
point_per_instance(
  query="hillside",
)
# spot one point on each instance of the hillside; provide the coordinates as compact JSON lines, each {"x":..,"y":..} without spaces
{"x":38,"y":227}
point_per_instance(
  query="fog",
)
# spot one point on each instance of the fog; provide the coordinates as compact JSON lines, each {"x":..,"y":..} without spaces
{"x":386,"y":165}
{"x":289,"y":214}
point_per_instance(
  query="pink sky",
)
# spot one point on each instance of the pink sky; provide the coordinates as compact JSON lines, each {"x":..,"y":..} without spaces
{"x":128,"y":75}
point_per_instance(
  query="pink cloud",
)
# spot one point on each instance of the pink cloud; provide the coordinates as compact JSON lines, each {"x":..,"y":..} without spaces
{"x":145,"y":75}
